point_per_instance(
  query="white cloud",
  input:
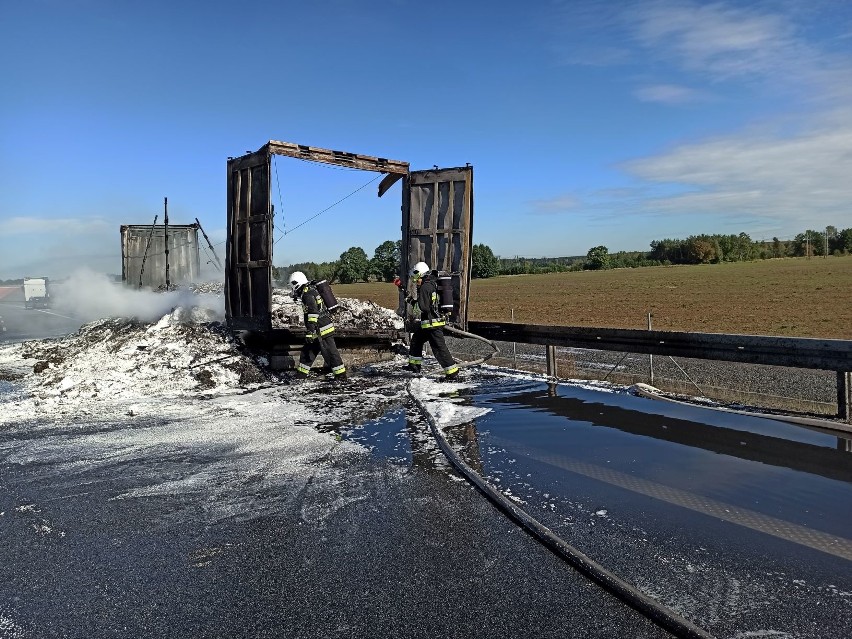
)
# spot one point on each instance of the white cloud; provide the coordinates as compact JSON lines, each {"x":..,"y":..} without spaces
{"x":555,"y":205}
{"x":792,"y":177}
{"x":52,"y":226}
{"x":668,"y":94}
{"x":788,"y":172}
{"x":755,"y":44}
{"x":759,"y":43}
{"x":717,"y":38}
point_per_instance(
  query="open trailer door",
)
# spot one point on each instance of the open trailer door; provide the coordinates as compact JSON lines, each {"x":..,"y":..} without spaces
{"x":248,"y":261}
{"x":437,"y":224}
{"x":248,"y":267}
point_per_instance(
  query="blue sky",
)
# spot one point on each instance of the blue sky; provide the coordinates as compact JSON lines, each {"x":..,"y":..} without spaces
{"x":586,"y":122}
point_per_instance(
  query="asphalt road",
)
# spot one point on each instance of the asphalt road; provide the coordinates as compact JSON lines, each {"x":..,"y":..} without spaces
{"x":34,"y":323}
{"x":394,"y":544}
{"x":386,"y":547}
{"x":418,"y":554}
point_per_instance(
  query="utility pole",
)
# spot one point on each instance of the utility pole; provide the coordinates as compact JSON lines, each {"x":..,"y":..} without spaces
{"x":166,"y":222}
{"x":808,"y":245}
{"x":825,"y":254}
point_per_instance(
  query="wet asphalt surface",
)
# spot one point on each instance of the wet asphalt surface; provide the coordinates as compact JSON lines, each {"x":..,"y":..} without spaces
{"x":421,"y":553}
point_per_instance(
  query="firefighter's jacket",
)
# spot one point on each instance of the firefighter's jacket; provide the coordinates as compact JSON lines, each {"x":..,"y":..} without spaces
{"x":428,"y":304}
{"x":317,"y":321}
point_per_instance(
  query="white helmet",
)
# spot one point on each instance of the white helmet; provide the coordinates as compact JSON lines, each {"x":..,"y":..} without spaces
{"x":297,"y":281}
{"x":420,"y":269}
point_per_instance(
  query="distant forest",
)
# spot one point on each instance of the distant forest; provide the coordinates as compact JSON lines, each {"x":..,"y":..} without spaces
{"x":354,"y":264}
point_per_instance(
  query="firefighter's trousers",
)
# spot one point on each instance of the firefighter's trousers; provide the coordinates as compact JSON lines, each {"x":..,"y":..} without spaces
{"x":328,"y":348}
{"x":435,"y":337}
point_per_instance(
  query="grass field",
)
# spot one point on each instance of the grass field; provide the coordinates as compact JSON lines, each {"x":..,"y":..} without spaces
{"x":794,"y":297}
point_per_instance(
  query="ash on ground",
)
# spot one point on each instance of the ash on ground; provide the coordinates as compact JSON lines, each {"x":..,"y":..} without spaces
{"x":351,"y":313}
{"x":134,"y":390}
{"x":185,"y":355}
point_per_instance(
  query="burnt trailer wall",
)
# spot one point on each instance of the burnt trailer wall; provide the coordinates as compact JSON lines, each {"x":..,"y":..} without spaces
{"x":248,"y":261}
{"x":143,"y":254}
{"x":437,"y":226}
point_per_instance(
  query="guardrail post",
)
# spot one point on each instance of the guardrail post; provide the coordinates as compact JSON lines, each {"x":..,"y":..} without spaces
{"x":844,"y":395}
{"x":551,"y":361}
{"x":650,"y":358}
{"x":514,"y":347}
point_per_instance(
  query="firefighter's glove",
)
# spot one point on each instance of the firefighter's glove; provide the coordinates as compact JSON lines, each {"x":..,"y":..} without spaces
{"x":310,"y":339}
{"x":409,"y":299}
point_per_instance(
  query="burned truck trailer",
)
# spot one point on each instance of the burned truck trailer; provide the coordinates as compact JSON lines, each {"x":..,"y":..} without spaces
{"x":144,"y":261}
{"x":437,"y":220}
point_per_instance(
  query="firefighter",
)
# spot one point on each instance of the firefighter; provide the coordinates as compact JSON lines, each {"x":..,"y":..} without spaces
{"x":319,"y":331}
{"x":430,"y":328}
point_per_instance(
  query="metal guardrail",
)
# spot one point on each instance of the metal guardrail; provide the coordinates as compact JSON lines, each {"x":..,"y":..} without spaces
{"x":797,"y":352}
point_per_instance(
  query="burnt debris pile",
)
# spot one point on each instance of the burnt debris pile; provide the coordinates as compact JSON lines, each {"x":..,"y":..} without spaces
{"x":187,"y":350}
{"x":351,"y":314}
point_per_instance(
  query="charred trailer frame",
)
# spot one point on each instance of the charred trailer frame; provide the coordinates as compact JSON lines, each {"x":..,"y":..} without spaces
{"x":143,"y":254}
{"x":437,"y":216}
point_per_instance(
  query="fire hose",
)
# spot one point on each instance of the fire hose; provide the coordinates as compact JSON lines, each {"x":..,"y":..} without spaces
{"x":628,"y":594}
{"x":460,"y":333}
{"x":445,"y":290}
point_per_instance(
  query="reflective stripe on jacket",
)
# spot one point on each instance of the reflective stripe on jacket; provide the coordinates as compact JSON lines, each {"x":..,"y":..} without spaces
{"x":428,"y":303}
{"x":317,"y":320}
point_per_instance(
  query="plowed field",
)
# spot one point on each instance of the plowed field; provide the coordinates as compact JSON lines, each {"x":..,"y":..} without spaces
{"x":794,"y":297}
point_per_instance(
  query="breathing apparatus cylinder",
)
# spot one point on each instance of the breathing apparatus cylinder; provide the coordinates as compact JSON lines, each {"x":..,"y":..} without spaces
{"x":328,"y":298}
{"x":445,"y":293}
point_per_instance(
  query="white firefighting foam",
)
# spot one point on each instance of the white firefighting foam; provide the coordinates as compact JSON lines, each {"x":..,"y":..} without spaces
{"x":126,"y":390}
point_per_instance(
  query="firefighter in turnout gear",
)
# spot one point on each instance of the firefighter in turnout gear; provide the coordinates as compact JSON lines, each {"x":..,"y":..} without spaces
{"x":430,"y":327}
{"x":319,"y":331}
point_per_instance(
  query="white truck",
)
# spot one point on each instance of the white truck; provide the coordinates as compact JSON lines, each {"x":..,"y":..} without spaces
{"x":36,"y":292}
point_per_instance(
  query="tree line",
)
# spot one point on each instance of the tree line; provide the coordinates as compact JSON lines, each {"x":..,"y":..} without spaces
{"x":717,"y":248}
{"x":352,"y":266}
{"x":355,"y":266}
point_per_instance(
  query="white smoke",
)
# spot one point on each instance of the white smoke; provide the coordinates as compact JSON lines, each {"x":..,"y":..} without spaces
{"x":87,"y":295}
